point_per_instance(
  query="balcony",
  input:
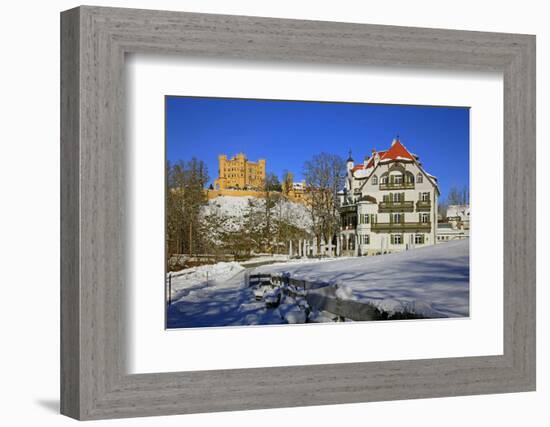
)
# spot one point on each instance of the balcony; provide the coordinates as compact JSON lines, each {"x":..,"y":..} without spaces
{"x":397,"y":186}
{"x":401,"y":226}
{"x":423,"y":205}
{"x":348,"y":208}
{"x":402,"y":206}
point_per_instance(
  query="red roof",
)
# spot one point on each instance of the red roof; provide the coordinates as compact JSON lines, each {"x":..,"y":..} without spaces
{"x":397,"y":151}
{"x":371,"y":161}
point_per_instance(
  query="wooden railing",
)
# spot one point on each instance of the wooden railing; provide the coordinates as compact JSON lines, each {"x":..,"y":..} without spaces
{"x":397,"y":186}
{"x":401,"y":226}
{"x":424,"y":205}
{"x":390,"y":206}
{"x":348,"y":208}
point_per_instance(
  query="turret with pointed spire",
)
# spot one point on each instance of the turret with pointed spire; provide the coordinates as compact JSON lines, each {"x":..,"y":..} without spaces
{"x":349,"y":161}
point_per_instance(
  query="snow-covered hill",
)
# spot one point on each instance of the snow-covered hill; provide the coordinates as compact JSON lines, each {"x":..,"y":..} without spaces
{"x":233,"y":209}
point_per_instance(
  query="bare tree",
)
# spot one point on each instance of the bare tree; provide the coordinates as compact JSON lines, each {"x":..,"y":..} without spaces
{"x":272,"y":192}
{"x":458,"y":196}
{"x":324,"y":175}
{"x":288,"y":181}
{"x":185,"y":196}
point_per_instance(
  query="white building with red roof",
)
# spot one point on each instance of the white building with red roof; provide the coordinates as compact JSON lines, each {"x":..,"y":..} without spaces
{"x":389,"y":203}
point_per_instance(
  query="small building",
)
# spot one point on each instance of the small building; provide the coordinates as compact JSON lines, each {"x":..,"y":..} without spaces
{"x":446,"y":232}
{"x":389,"y":203}
{"x":459,"y":216}
{"x":297,"y":192}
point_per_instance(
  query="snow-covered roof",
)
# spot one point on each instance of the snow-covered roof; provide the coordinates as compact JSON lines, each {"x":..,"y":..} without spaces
{"x":461,"y":211}
{"x":362,"y":172}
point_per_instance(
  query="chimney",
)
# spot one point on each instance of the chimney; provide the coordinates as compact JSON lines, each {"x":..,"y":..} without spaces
{"x":376,"y":157}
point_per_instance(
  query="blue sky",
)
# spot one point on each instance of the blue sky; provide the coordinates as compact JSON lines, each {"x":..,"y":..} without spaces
{"x":287,"y":133}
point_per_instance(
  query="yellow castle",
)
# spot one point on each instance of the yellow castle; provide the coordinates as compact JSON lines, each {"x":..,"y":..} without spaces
{"x":239,"y":173}
{"x":239,"y":177}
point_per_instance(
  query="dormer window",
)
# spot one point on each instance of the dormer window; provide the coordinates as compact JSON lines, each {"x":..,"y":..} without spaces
{"x":419,"y":178}
{"x":374,"y":180}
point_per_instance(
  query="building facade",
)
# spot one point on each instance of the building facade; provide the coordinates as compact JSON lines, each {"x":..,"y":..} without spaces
{"x":239,"y":173}
{"x":389,"y":204}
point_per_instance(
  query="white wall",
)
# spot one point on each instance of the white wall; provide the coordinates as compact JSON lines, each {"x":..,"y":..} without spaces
{"x":29,"y":176}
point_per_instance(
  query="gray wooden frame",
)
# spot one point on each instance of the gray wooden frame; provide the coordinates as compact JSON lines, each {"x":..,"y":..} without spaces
{"x":94,"y":382}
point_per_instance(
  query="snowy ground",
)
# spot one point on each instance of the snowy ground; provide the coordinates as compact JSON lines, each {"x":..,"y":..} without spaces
{"x":222,"y":299}
{"x":429,"y":282}
{"x":432,"y":281}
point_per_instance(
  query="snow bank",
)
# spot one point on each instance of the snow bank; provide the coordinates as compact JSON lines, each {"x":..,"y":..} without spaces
{"x":345,"y":293}
{"x":432,"y":281}
{"x":204,"y":275}
{"x":265,"y":258}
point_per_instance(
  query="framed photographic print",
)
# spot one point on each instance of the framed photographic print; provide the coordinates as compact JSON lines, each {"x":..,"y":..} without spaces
{"x":283,"y":239}
{"x":347,"y":211}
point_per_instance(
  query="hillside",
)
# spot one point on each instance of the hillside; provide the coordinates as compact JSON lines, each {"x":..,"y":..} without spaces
{"x":234,"y":209}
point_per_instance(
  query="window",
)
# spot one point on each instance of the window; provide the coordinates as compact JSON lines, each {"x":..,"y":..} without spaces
{"x":425,"y":218}
{"x":396,"y":197}
{"x":365,"y":239}
{"x":425,"y":197}
{"x":364,"y":219}
{"x":396,"y":239}
{"x":419,"y":178}
{"x":396,"y":218}
{"x":384,"y":180}
{"x":398,"y":179}
{"x":374,"y":180}
{"x":418,"y":239}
